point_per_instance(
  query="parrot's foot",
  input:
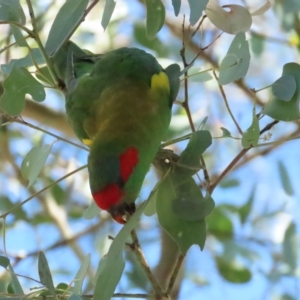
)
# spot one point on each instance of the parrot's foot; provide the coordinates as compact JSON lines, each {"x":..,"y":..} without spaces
{"x":120,"y":211}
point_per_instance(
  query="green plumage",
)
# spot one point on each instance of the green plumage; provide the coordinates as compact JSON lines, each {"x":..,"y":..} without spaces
{"x":117,"y":102}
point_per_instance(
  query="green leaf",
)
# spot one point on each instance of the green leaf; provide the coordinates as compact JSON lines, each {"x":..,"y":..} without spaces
{"x":44,"y":273}
{"x":286,"y":110}
{"x":233,"y":20}
{"x":285,"y":179}
{"x":236,"y":62}
{"x":257,"y":43}
{"x":233,"y":272}
{"x":92,"y":211}
{"x":196,"y":9}
{"x":245,"y":210}
{"x":74,"y":297}
{"x":189,"y":160}
{"x":284,"y":87}
{"x":27,"y":61}
{"x":229,"y":183}
{"x":150,"y":209}
{"x":195,"y":75}
{"x":155,"y":17}
{"x":14,"y":281}
{"x":11,"y":11}
{"x":290,"y":247}
{"x":17,"y":33}
{"x":219,"y":224}
{"x":4,"y":261}
{"x":17,"y":84}
{"x":80,"y":275}
{"x":34,"y":162}
{"x":107,"y":12}
{"x":64,"y":24}
{"x":176,"y":5}
{"x":107,"y":280}
{"x":173,"y":72}
{"x":226,"y":132}
{"x":185,"y":232}
{"x":251,"y":135}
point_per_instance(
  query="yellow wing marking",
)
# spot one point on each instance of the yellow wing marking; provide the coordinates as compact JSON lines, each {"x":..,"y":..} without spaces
{"x":87,"y":142}
{"x":160,"y":81}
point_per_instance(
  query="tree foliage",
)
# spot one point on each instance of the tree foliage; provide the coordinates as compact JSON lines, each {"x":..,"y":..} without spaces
{"x":225,"y":179}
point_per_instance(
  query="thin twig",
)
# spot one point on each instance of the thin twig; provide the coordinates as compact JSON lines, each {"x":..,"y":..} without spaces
{"x":227,"y":105}
{"x":21,"y":121}
{"x":144,"y":264}
{"x":174,"y":274}
{"x":41,"y":191}
{"x":237,"y":158}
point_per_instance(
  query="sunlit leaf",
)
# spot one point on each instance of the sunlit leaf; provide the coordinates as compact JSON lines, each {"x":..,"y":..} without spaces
{"x":155,"y":17}
{"x":107,"y":12}
{"x":285,"y":179}
{"x":196,"y":9}
{"x":237,"y":19}
{"x":260,"y":11}
{"x":236,"y":62}
{"x":80,"y":275}
{"x":64,"y":23}
{"x":233,"y":272}
{"x":195,"y":75}
{"x":92,"y":211}
{"x":44,"y":273}
{"x":17,"y":84}
{"x":251,"y":135}
{"x":34,"y":162}
{"x":286,"y":110}
{"x":11,"y":11}
{"x":107,"y":280}
{"x":284,"y":87}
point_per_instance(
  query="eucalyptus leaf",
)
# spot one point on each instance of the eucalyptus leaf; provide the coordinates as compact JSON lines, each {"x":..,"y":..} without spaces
{"x":44,"y":273}
{"x":107,"y":12}
{"x":155,"y":17}
{"x":284,"y":87}
{"x":11,"y":11}
{"x":251,"y":135}
{"x":196,"y":9}
{"x":236,"y":62}
{"x":34,"y":162}
{"x":176,"y":5}
{"x":285,"y":179}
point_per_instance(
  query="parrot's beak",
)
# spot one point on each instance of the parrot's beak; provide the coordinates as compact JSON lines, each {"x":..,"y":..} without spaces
{"x":120,"y":212}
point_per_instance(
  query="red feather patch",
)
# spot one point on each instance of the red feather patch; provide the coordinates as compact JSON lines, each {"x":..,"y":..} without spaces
{"x":128,"y":161}
{"x":108,"y":197}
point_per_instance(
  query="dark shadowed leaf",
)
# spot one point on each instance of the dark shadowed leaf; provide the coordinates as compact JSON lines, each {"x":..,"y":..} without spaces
{"x":4,"y":261}
{"x":14,"y":282}
{"x":245,"y":210}
{"x":226,"y":132}
{"x":176,"y":5}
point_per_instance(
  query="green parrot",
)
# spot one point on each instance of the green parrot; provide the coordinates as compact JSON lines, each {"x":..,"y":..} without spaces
{"x":118,"y":104}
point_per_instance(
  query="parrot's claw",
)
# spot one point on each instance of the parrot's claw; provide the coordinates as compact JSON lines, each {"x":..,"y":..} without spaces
{"x":120,"y":212}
